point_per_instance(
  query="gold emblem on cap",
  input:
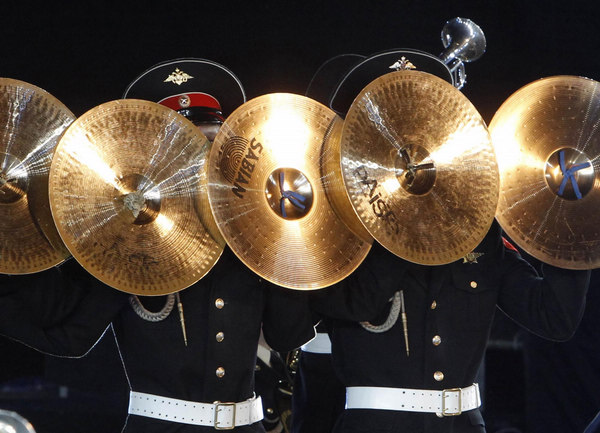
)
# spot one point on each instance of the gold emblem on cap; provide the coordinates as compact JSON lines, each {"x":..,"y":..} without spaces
{"x":403,"y":63}
{"x":178,"y":77}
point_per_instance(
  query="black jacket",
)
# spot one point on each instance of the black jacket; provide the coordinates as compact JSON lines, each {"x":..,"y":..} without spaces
{"x":68,"y":320}
{"x":455,"y":302}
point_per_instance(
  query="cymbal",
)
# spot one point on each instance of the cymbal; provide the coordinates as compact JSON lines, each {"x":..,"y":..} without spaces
{"x":331,"y":176}
{"x":267,"y":191}
{"x":419,"y":167}
{"x":33,"y":121}
{"x":547,"y":143}
{"x":128,"y":195}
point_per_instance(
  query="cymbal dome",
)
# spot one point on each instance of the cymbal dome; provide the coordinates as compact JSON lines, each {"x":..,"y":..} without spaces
{"x":268,"y":189}
{"x":128,"y":195}
{"x":419,"y":167}
{"x":545,"y":136}
{"x":33,"y":121}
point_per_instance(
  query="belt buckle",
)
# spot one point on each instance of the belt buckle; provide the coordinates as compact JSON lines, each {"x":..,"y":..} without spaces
{"x":445,"y":412}
{"x":218,"y":406}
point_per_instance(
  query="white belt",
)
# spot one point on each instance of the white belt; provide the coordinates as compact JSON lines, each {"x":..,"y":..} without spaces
{"x":320,"y":344}
{"x":221,"y":416}
{"x":447,"y":402}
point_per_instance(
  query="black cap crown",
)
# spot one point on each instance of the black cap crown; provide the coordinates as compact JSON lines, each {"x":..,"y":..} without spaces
{"x":192,"y":86}
{"x":344,"y":88}
{"x":325,"y":80}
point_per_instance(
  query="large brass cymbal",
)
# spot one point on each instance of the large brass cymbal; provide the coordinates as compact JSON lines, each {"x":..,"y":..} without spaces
{"x":331,"y":176}
{"x":548,"y":146}
{"x":127,"y":193}
{"x":267,"y":192}
{"x":419,"y":167}
{"x":32,"y":122}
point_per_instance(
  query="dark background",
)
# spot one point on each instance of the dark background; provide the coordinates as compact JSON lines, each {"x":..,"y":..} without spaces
{"x":86,"y":53}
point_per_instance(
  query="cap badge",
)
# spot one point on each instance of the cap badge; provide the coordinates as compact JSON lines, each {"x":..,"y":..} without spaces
{"x":178,"y":77}
{"x":403,"y":63}
{"x":184,"y":101}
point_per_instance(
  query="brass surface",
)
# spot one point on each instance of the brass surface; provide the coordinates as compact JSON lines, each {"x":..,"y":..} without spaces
{"x":550,"y":210}
{"x":128,"y":195}
{"x":32,"y":122}
{"x":267,"y":190}
{"x":419,"y":167}
{"x":331,"y":175}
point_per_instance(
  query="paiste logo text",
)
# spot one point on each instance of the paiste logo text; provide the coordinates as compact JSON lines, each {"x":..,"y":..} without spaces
{"x":237,"y":159}
{"x":377,"y":201}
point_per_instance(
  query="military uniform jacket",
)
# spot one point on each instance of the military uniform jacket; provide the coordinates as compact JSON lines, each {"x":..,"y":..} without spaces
{"x":224,"y":313}
{"x":450,"y":309}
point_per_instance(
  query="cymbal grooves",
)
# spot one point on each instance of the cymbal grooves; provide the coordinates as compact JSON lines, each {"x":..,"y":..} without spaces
{"x":135,"y":147}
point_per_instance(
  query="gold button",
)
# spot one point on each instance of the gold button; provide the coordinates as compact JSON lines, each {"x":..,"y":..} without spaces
{"x":220,"y":337}
{"x":220,"y":372}
{"x":219,"y":303}
{"x":474,"y":284}
{"x":439,"y":414}
{"x":436,"y":340}
{"x":438,"y":375}
{"x":433,"y":305}
{"x":270,"y":411}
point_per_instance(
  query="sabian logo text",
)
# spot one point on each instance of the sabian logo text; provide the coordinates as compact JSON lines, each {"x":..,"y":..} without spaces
{"x":237,"y":159}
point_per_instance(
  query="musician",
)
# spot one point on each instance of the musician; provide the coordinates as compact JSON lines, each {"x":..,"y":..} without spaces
{"x":318,"y":395}
{"x":205,"y":381}
{"x":422,"y":380}
{"x":449,"y":310}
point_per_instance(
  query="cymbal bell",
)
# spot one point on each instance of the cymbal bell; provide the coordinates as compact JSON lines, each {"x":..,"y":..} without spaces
{"x":33,"y":121}
{"x":547,"y":143}
{"x":128,"y":195}
{"x":267,"y":189}
{"x":419,"y":167}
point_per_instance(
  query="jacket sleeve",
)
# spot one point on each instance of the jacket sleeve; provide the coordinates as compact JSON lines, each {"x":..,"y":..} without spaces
{"x":287,"y":321}
{"x":364,"y":294}
{"x":550,"y":305}
{"x":62,"y":311}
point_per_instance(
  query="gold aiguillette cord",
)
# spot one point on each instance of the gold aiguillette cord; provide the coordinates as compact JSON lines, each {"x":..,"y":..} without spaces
{"x":181,"y":319}
{"x":404,"y":321}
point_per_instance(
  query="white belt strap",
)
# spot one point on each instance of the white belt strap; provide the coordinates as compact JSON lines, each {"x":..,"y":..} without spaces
{"x":221,"y":416}
{"x":448,"y":402}
{"x":320,"y":344}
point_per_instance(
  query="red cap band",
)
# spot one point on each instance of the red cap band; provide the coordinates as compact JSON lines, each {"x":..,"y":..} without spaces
{"x":188,"y":100}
